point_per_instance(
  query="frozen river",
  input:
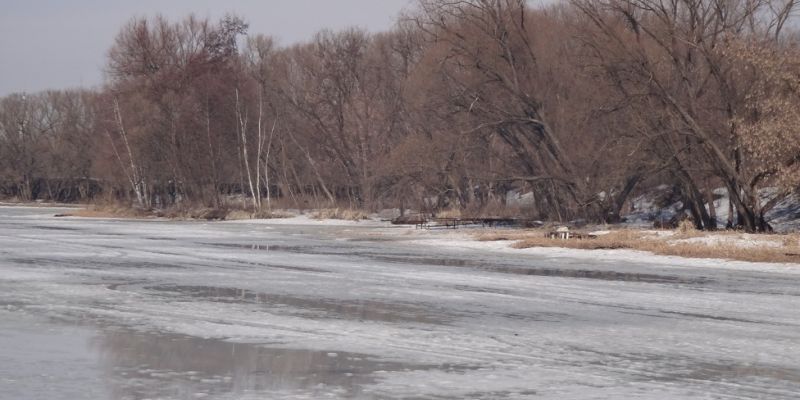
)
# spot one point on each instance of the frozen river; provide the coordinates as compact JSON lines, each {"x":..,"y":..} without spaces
{"x":102,"y":309}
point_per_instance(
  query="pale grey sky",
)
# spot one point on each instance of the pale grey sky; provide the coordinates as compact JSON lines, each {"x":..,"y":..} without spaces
{"x":62,"y":43}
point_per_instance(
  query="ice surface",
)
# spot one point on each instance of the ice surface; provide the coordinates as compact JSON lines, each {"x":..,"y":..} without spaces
{"x":180,"y":310}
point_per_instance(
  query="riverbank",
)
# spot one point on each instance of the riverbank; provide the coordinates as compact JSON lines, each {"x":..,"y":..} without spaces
{"x":211,"y":214}
{"x":687,"y":243}
{"x":729,"y":245}
{"x":620,"y":243}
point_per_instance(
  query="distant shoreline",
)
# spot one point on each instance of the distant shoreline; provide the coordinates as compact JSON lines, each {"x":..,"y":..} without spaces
{"x":723,"y":245}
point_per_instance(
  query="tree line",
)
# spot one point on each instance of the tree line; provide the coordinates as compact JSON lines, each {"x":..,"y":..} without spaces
{"x":580,"y":103}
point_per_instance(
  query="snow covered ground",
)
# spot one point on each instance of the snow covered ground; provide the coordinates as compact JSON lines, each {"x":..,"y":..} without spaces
{"x":243,"y":310}
{"x":655,"y":205}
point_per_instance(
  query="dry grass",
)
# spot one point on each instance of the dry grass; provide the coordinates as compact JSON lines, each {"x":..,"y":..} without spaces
{"x":450,"y":213}
{"x":234,"y":215}
{"x":272,"y":214}
{"x":192,"y":213}
{"x":123,"y":211}
{"x":492,"y":209}
{"x":107,"y":211}
{"x":664,"y":245}
{"x":686,"y":227}
{"x":112,"y":210}
{"x":239,"y":214}
{"x":340,"y":213}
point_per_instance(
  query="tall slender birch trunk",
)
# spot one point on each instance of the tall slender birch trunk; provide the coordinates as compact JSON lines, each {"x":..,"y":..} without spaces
{"x":134,"y":177}
{"x":260,"y":148}
{"x":243,"y":130}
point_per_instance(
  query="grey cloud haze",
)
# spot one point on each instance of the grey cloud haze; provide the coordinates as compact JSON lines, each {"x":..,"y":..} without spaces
{"x":54,"y":44}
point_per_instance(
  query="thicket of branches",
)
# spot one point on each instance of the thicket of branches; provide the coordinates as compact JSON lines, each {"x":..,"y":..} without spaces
{"x":578,"y":103}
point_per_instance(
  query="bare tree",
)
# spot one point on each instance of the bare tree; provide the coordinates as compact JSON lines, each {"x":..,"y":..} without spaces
{"x":673,"y":52}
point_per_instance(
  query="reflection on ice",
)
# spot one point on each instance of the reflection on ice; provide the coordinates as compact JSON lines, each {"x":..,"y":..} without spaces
{"x":143,"y":365}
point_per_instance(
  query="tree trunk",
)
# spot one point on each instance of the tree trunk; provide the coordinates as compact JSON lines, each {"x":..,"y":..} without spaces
{"x":243,"y":131}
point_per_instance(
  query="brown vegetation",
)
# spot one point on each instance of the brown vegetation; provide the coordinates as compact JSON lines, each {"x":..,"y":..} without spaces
{"x":112,"y":210}
{"x":107,"y":211}
{"x":579,"y":103}
{"x":775,"y":248}
{"x":340,"y":213}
